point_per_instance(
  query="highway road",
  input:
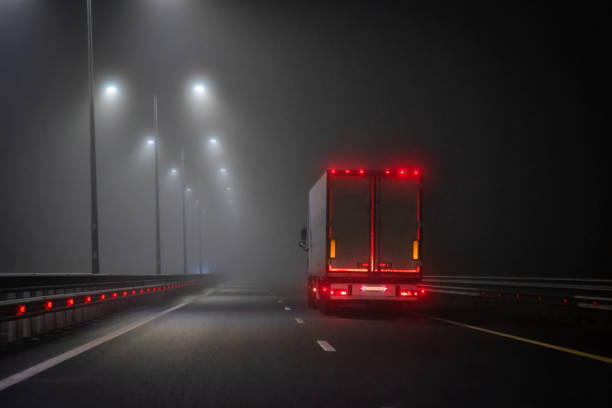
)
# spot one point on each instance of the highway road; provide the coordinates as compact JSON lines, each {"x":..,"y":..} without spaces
{"x":238,"y":346}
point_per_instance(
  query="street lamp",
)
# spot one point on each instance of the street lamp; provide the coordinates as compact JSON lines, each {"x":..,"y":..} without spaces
{"x":111,"y":90}
{"x":173,"y":171}
{"x":200,"y":89}
{"x":150,"y":141}
{"x":223,"y":170}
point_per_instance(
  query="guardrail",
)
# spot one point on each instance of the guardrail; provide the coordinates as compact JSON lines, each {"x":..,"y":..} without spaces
{"x":28,"y":310}
{"x":593,"y":294}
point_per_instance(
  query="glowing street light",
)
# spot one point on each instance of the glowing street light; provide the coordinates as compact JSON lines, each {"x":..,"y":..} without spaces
{"x":228,"y":189}
{"x":173,"y":171}
{"x":200,"y":89}
{"x":188,"y":189}
{"x":223,"y":170}
{"x":150,"y":141}
{"x":111,"y":90}
{"x":213,"y":141}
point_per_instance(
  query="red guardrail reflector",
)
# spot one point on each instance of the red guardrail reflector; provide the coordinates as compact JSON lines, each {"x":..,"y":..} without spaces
{"x":48,"y":305}
{"x":114,"y":295}
{"x":21,"y":309}
{"x":124,"y":293}
{"x":103,"y":296}
{"x":69,"y":301}
{"x":87,"y":299}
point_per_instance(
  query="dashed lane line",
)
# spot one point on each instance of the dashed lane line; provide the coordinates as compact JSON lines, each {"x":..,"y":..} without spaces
{"x":299,"y":321}
{"x":287,"y":308}
{"x":325,"y":345}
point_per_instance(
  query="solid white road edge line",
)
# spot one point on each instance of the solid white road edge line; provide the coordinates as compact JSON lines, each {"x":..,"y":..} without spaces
{"x":325,"y":345}
{"x":52,"y":362}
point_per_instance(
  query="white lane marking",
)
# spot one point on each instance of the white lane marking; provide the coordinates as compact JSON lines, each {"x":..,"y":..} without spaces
{"x":52,"y":362}
{"x":325,"y":345}
{"x":287,"y":308}
{"x":299,"y":321}
{"x":279,"y":301}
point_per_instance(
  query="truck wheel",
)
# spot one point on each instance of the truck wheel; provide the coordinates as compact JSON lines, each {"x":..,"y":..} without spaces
{"x":311,"y":303}
{"x":326,"y":307}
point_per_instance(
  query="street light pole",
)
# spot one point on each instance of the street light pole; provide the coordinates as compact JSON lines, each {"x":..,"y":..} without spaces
{"x":95,"y":259}
{"x":200,"y":214}
{"x":157,"y":227}
{"x":184,"y":215}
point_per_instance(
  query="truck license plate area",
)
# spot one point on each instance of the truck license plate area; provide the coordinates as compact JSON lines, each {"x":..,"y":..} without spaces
{"x":374,"y":290}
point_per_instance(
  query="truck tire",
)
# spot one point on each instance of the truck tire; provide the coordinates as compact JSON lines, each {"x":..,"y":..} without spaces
{"x":310,"y":301}
{"x":326,"y":307}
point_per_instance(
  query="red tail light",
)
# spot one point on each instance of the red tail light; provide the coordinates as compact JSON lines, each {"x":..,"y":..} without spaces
{"x":103,"y":296}
{"x":347,"y":171}
{"x":48,"y":305}
{"x":402,"y":172}
{"x":87,"y":299}
{"x":416,"y":172}
{"x":332,"y":171}
{"x":387,"y":172}
{"x":405,"y":293}
{"x":124,"y":293}
{"x":386,"y":289}
{"x":361,"y":171}
{"x":148,"y":289}
{"x":21,"y":309}
{"x":154,"y":289}
{"x":69,"y":302}
{"x":422,"y":291}
{"x":141,"y":290}
{"x":314,"y":289}
{"x":133,"y":291}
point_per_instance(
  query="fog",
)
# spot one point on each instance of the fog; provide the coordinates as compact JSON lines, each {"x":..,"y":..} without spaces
{"x":499,"y":107}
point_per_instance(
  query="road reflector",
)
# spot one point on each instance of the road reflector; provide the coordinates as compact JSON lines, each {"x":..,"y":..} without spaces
{"x":332,"y":248}
{"x":415,"y":249}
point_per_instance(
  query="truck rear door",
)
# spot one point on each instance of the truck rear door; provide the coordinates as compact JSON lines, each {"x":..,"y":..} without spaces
{"x":397,"y":246}
{"x":349,"y":222}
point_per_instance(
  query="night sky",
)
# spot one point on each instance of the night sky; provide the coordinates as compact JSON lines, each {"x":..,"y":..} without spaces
{"x":504,"y":107}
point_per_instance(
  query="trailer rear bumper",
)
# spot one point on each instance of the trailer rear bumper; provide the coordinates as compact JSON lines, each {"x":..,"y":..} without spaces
{"x":339,"y":292}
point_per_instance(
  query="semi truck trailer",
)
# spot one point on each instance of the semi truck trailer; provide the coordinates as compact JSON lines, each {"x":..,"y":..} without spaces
{"x":364,"y":239}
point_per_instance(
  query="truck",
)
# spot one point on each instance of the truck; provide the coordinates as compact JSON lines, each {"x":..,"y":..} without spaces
{"x":364,"y":239}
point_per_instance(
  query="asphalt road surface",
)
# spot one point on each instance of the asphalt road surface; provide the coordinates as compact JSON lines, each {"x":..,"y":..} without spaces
{"x":241,"y":347}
